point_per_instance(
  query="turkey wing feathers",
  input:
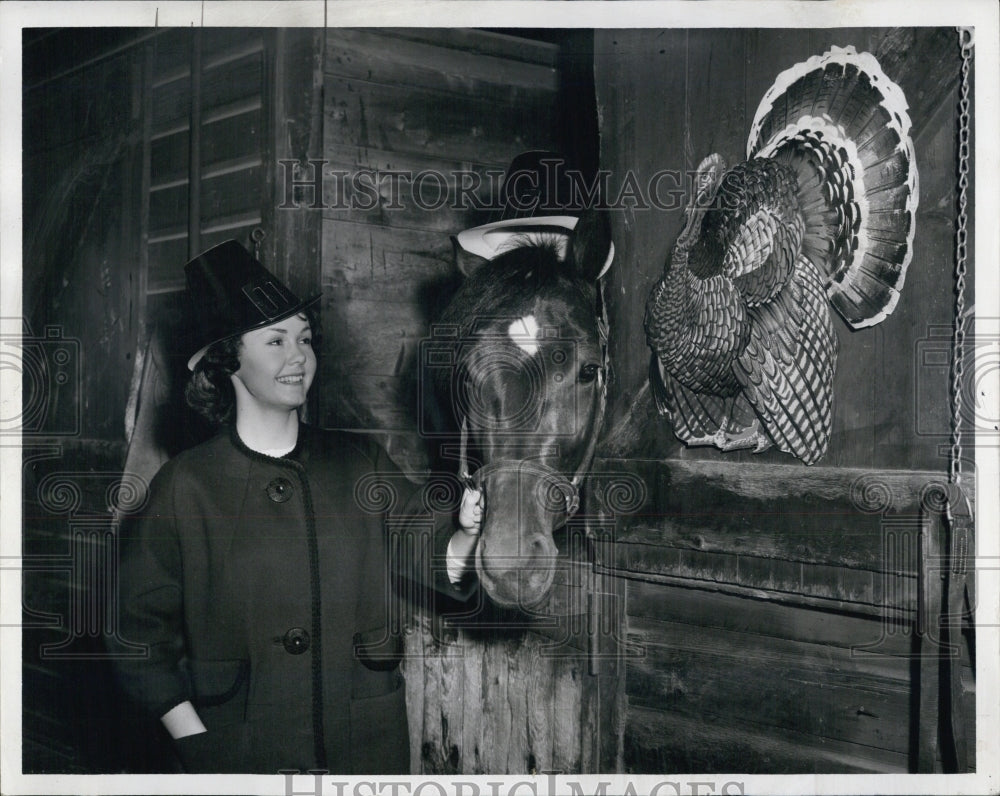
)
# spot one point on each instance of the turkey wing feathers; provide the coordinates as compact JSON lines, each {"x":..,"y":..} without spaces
{"x":787,"y":367}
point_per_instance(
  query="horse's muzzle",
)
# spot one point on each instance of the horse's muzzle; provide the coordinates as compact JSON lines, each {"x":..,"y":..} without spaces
{"x":521,"y":581}
{"x":516,"y":556}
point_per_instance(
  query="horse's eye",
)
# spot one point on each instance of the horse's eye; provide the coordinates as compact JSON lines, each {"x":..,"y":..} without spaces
{"x":588,"y":373}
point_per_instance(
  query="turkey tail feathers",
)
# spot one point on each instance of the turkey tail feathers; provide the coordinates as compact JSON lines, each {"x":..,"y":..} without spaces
{"x":843,"y":126}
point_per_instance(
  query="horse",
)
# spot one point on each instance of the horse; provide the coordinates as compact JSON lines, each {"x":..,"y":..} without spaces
{"x":527,"y":387}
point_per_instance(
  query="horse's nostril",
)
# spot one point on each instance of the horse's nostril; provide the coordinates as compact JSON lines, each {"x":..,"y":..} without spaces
{"x":543,"y":547}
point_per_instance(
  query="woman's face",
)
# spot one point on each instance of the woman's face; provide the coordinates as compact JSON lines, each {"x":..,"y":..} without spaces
{"x":277,"y":363}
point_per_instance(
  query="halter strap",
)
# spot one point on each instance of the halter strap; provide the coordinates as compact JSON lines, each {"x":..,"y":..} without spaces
{"x":571,"y":491}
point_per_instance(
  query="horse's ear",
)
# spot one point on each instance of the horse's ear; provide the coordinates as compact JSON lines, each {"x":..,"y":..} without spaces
{"x":591,"y":249}
{"x":467,"y":262}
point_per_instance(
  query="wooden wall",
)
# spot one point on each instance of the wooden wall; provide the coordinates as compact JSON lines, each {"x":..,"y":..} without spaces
{"x":412,"y":101}
{"x":707,"y":87}
{"x":773,"y":606}
{"x":82,"y":166}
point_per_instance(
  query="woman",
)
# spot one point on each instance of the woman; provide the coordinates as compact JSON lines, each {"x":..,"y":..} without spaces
{"x":254,"y":577}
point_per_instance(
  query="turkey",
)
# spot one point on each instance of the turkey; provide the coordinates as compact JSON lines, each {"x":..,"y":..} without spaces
{"x":822,"y":212}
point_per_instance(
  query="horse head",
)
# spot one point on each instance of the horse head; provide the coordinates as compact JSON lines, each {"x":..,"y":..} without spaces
{"x":527,"y":390}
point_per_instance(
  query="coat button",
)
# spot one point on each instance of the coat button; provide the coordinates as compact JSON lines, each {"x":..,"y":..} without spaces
{"x":296,"y":641}
{"x":279,"y":490}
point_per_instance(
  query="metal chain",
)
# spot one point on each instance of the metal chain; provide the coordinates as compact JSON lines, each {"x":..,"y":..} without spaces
{"x":965,"y":39}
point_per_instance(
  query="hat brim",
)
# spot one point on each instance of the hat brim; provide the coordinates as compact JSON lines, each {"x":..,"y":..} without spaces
{"x":196,"y":357}
{"x":491,"y":240}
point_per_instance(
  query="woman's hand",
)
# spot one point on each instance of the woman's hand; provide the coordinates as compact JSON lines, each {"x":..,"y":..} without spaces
{"x":463,"y":543}
{"x":470,"y":513}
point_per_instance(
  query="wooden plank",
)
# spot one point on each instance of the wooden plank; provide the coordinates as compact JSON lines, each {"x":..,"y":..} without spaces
{"x":716,"y":61}
{"x":380,"y":398}
{"x":233,"y":81}
{"x":490,"y":702}
{"x":237,"y":228}
{"x":566,"y":735}
{"x":728,"y":508}
{"x":642,"y":132}
{"x":791,"y":581}
{"x":415,"y":192}
{"x":900,"y":605}
{"x":456,"y":61}
{"x":168,"y":160}
{"x":903,"y":54}
{"x":765,"y":682}
{"x":172,"y":52}
{"x":372,"y":157}
{"x":166,"y":265}
{"x":293,"y":123}
{"x":860,"y":635}
{"x":224,"y":45}
{"x":82,"y":109}
{"x":171,"y":102}
{"x":387,"y":337}
{"x":167,"y":209}
{"x":375,"y":262}
{"x":656,"y":742}
{"x":474,"y":674}
{"x":926,"y":307}
{"x":406,"y":120}
{"x":232,"y":138}
{"x":483,"y":42}
{"x":231,"y":194}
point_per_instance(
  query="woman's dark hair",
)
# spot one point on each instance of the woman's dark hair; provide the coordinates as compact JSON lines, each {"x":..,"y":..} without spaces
{"x":210,"y":391}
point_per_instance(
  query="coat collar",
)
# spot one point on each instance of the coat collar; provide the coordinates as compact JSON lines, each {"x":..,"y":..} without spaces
{"x":298,"y":456}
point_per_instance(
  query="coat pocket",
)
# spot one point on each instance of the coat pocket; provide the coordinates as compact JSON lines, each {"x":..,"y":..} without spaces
{"x":220,"y":690}
{"x":380,"y":737}
{"x":375,"y":669}
{"x":378,"y":649}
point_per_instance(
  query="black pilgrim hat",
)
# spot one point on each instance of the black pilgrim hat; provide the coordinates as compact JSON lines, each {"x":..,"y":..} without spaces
{"x":230,"y":293}
{"x":539,"y":199}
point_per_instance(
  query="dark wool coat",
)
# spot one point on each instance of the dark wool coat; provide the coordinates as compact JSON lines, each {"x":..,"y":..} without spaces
{"x":260,"y":587}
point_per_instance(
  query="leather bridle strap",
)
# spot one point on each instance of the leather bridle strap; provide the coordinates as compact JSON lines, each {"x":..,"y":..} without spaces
{"x":553,"y":477}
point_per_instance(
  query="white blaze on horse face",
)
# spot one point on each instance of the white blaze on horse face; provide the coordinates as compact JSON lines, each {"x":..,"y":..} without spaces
{"x":524,"y":332}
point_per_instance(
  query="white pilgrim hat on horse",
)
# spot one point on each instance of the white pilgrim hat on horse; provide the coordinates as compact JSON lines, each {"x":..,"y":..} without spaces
{"x":541,"y":201}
